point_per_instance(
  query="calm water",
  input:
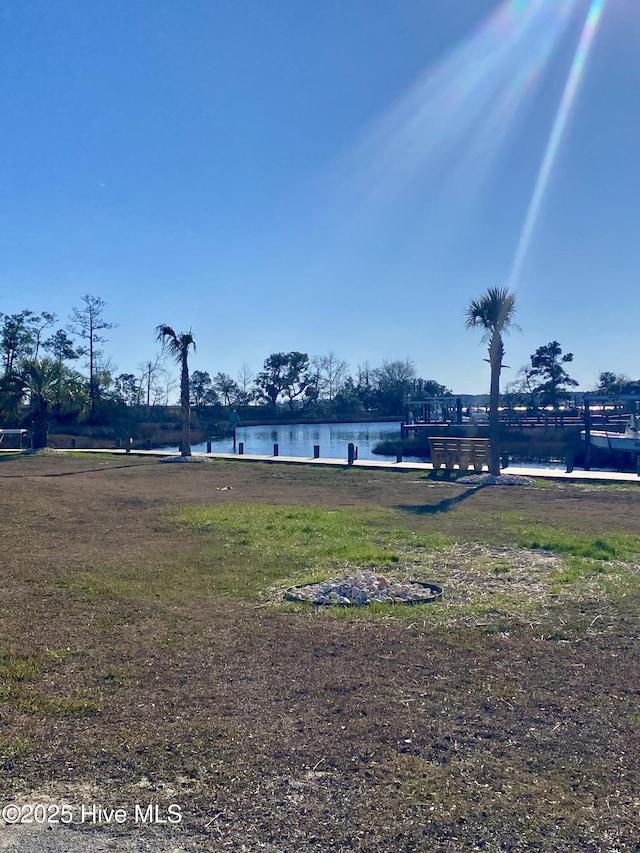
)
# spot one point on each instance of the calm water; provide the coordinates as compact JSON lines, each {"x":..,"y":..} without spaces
{"x":299,"y":439}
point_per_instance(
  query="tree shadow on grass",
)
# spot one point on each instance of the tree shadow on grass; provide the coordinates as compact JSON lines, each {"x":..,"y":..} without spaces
{"x":89,"y":471}
{"x":67,"y":473}
{"x":443,"y":506}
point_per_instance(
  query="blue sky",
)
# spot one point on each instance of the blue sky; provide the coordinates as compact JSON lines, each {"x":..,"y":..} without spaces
{"x":340,"y":175}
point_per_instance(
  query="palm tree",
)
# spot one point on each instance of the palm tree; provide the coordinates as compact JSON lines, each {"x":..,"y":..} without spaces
{"x":493,"y":313}
{"x":42,"y":379}
{"x":178,"y":345}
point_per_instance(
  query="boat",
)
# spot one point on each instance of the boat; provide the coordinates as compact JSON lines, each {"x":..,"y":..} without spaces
{"x":627,"y":441}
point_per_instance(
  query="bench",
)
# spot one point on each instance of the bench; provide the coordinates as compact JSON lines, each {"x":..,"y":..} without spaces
{"x":462,"y":452}
{"x":16,"y":437}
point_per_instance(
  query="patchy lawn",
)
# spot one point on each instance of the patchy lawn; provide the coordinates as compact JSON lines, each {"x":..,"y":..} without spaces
{"x":146,"y":655}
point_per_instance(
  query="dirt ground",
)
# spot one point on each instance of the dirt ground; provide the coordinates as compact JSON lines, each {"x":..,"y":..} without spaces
{"x":289,"y":731}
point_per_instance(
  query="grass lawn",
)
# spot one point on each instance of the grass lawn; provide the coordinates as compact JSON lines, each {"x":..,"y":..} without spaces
{"x":147,"y":656}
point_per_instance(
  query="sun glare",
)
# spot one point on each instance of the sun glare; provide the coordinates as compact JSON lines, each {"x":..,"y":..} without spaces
{"x":557,"y":132}
{"x":443,"y":136}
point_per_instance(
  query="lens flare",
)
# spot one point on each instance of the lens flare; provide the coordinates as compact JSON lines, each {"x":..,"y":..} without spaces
{"x":447,"y":102}
{"x":485,"y":143}
{"x":557,"y":132}
{"x":447,"y":130}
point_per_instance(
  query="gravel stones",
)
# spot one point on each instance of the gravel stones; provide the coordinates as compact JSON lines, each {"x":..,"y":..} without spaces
{"x":189,"y":459}
{"x":364,"y":588}
{"x":492,"y":480}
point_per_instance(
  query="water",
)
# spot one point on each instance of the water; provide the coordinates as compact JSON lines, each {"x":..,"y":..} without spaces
{"x":299,"y":439}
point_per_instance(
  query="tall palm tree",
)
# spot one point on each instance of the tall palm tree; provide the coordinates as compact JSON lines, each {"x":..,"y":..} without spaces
{"x":178,"y":345}
{"x":493,"y":313}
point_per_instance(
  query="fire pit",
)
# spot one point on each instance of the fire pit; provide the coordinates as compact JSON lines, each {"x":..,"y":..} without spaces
{"x":364,"y":588}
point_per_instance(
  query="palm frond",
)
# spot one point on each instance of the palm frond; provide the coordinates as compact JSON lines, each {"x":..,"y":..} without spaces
{"x":493,"y":312}
{"x":176,"y":343}
{"x":164,"y":334}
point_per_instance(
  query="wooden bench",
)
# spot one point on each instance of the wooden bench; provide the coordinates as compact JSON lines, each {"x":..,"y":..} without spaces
{"x":462,"y":452}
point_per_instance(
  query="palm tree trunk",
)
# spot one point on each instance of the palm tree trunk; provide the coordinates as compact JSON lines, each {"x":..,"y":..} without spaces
{"x":495,"y":360}
{"x":185,"y":442}
{"x":40,"y":424}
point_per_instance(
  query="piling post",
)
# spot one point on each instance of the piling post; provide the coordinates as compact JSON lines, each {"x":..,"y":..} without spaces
{"x":569,"y":462}
{"x":350,"y":453}
{"x":241,"y":448}
{"x":275,"y":449}
{"x":316,"y":451}
{"x":208,"y":447}
{"x":587,"y":435}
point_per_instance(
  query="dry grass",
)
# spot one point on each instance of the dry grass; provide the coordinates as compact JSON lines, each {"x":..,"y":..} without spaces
{"x":505,"y":719}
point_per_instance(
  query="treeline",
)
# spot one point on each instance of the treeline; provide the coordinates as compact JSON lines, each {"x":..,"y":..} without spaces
{"x":52,"y":372}
{"x":321,"y":385}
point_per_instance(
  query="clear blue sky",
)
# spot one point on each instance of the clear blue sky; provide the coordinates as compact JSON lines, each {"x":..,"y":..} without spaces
{"x":337,"y":175}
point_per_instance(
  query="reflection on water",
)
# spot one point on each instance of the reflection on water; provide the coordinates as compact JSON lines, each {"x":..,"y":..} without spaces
{"x":299,"y":439}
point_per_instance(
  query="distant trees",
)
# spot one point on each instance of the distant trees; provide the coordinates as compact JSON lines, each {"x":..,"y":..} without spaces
{"x":493,"y":313}
{"x":611,"y":384}
{"x":225,"y":388}
{"x":322,"y":384}
{"x":150,"y":376}
{"x":547,"y":365}
{"x":179,"y":345}
{"x":246,"y":386}
{"x":430,"y":388}
{"x":366,"y":387}
{"x":394,"y":380}
{"x":284,"y":374}
{"x":40,"y":323}
{"x":522,"y":391}
{"x":61,"y":347}
{"x":21,"y":337}
{"x":87,"y":323}
{"x":543,"y":381}
{"x":348,"y":402}
{"x":330,"y":373}
{"x":127,"y":389}
{"x":202,"y":394}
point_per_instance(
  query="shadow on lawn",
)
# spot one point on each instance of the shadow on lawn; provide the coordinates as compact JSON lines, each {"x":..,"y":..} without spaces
{"x":67,"y":473}
{"x":442,"y":506}
{"x":90,"y":471}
